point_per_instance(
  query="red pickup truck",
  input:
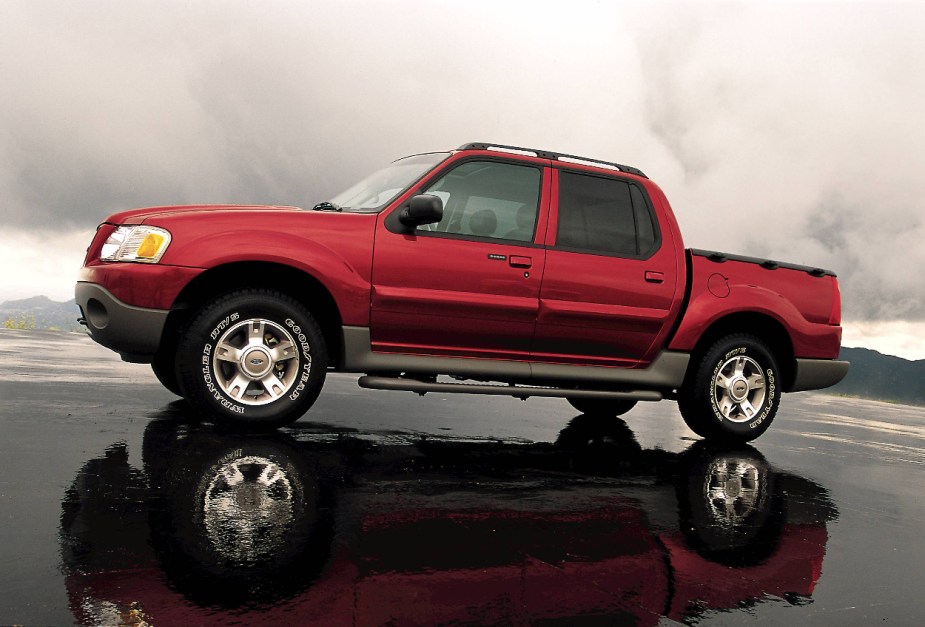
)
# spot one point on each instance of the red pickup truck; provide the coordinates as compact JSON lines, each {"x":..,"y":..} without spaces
{"x":523,"y":272}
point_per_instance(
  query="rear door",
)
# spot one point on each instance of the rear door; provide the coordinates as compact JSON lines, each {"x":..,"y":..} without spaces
{"x":469,"y":285}
{"x":610,"y":276}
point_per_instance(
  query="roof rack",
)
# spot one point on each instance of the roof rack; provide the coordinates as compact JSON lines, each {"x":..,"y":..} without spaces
{"x":555,"y":156}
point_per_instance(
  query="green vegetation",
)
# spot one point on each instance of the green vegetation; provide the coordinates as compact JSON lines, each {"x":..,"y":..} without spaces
{"x":23,"y":321}
{"x":40,"y":312}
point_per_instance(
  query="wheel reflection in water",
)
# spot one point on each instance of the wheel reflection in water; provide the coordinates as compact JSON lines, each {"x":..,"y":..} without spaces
{"x":733,"y":491}
{"x":248,"y":509}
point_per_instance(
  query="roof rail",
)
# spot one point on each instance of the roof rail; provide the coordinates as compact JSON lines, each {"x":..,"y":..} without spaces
{"x":554,"y":156}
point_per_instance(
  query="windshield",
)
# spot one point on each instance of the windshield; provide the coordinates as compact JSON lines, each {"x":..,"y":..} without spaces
{"x":381,"y":187}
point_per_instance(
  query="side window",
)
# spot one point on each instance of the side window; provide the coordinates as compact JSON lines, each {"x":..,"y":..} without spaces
{"x":645,"y":230}
{"x":488,"y":199}
{"x":603,"y":215}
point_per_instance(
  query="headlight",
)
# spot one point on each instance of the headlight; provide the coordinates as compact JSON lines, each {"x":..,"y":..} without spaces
{"x":136,"y":243}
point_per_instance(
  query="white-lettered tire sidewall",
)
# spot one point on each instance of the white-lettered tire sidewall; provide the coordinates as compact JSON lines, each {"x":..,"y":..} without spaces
{"x":196,"y":364}
{"x":747,"y":348}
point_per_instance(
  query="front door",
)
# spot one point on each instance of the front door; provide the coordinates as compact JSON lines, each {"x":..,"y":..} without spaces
{"x":469,"y":285}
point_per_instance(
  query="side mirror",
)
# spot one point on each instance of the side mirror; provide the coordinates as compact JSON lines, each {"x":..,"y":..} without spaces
{"x":423,"y":209}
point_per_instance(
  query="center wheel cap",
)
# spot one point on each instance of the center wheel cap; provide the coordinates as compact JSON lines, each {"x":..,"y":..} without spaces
{"x":256,"y":363}
{"x":739,"y":389}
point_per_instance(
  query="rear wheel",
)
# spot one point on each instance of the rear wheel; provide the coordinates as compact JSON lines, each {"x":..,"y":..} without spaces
{"x":602,"y":406}
{"x":255,"y":358}
{"x":733,"y":394}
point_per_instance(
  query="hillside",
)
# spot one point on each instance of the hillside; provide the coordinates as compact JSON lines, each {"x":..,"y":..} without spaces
{"x":882,"y":377}
{"x":40,"y":312}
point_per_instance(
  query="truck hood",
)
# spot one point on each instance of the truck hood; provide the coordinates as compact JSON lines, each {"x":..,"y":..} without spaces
{"x":138,"y":216}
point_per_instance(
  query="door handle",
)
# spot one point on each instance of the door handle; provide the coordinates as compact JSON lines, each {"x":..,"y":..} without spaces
{"x":517,"y":261}
{"x":655,"y":277}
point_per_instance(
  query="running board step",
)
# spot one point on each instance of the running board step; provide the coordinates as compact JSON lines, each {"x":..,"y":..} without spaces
{"x":518,"y":391}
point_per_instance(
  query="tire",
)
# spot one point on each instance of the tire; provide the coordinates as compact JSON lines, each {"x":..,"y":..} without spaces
{"x":164,"y":367}
{"x":601,"y":406}
{"x":733,"y":393}
{"x":253,"y":358}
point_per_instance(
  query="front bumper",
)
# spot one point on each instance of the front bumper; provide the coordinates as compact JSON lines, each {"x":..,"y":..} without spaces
{"x":815,"y":374}
{"x":133,"y":332}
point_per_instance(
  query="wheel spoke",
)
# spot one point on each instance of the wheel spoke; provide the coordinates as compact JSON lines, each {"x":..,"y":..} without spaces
{"x":272,"y":385}
{"x":748,"y":409}
{"x":269,"y":476}
{"x":282,"y":351}
{"x":739,"y":367}
{"x":238,"y":386}
{"x":726,"y":405}
{"x":255,"y":332}
{"x":756,"y":381}
{"x":723,"y":381}
{"x":226,"y":352}
{"x":232,"y":475}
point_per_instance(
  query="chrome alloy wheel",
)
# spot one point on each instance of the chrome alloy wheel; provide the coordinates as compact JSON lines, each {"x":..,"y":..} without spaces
{"x":256,"y":361}
{"x":739,"y":388}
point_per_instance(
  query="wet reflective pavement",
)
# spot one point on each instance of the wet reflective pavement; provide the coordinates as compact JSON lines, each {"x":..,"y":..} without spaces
{"x":386,"y":508}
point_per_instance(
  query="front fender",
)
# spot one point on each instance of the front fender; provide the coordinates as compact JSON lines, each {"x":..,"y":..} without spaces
{"x":338,"y":254}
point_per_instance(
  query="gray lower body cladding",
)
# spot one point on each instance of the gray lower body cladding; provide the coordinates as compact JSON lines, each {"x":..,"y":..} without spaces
{"x":665,"y":373}
{"x":133,"y":332}
{"x":816,"y":374}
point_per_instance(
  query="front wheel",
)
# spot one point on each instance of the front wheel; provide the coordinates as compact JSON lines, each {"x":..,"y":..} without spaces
{"x":166,"y":372}
{"x":734,"y":392}
{"x":254,"y":358}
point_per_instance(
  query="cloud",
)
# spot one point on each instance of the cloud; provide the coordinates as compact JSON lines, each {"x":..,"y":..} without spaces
{"x":788,"y":131}
{"x":900,"y":338}
{"x":796,"y":134}
{"x":41,"y":263}
{"x":113,"y":105}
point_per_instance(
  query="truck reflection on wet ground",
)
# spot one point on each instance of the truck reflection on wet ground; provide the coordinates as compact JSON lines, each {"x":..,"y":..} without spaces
{"x":339,"y":526}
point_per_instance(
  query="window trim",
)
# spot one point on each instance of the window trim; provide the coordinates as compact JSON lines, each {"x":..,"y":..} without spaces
{"x":656,"y":227}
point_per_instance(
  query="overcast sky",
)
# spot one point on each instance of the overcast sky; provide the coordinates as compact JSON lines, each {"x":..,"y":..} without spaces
{"x":785,"y":130}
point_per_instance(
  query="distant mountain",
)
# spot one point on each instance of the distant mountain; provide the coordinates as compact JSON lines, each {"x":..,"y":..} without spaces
{"x":882,"y":377}
{"x":40,"y":312}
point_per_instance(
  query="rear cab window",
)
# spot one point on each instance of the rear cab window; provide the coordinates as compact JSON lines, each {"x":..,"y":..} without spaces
{"x":604,"y":215}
